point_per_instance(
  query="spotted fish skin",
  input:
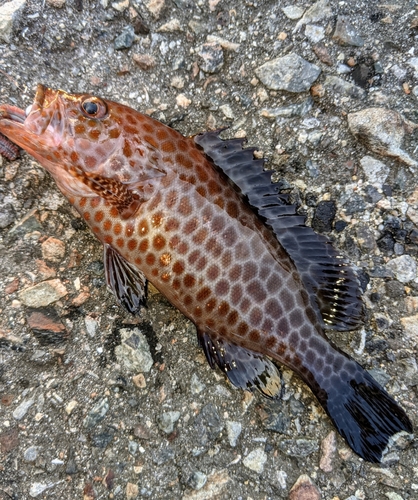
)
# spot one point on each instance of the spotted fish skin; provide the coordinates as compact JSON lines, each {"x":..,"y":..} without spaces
{"x":158,"y":200}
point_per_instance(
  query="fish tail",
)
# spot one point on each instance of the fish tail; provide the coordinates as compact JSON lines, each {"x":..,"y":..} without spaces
{"x":362,"y":411}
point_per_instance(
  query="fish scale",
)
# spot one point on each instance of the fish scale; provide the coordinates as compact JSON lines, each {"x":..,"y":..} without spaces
{"x":200,"y":220}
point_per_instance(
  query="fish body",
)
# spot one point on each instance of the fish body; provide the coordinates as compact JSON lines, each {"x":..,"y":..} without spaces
{"x":199,"y":219}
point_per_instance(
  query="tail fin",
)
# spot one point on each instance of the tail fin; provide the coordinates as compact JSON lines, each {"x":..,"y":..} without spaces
{"x":362,"y":411}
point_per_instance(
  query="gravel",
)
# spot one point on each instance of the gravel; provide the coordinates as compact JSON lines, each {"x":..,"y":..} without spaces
{"x":95,"y":403}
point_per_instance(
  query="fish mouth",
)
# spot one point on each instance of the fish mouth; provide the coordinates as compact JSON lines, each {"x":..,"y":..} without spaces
{"x":40,"y":125}
{"x":15,"y":114}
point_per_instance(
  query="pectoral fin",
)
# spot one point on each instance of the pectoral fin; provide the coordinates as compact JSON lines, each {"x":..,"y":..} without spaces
{"x":245,"y":369}
{"x":127,"y":283}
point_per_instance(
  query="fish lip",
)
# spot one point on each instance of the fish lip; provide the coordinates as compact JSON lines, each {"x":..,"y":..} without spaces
{"x":12,"y":113}
{"x":15,"y":114}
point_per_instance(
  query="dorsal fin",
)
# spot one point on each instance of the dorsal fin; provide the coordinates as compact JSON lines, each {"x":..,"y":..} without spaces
{"x":330,"y":280}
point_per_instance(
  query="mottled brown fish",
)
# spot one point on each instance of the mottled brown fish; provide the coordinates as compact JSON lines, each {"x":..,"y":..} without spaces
{"x":200,"y":219}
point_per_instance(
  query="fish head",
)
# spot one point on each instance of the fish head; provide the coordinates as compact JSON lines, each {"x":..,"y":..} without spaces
{"x":76,"y":137}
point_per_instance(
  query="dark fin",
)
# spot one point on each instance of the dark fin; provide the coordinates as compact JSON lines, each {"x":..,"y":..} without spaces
{"x":244,"y":368}
{"x":332,"y":284}
{"x":127,"y":283}
{"x":362,"y":411}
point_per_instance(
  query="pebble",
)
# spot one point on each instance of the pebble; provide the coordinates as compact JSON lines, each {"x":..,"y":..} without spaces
{"x":102,"y":439}
{"x":382,"y":131}
{"x":171,"y":26}
{"x":315,"y":33}
{"x":167,"y":420}
{"x":125,"y":39}
{"x":132,"y":491}
{"x":69,"y":408}
{"x":37,"y":489}
{"x":225,"y":44}
{"x":328,"y":449}
{"x":58,"y":4}
{"x":393,"y":496}
{"x":319,"y":10}
{"x":208,"y":425}
{"x":299,"y":109}
{"x":410,"y":325}
{"x":274,"y":418}
{"x":47,"y":326}
{"x":156,"y":7}
{"x":292,"y":12}
{"x":134,"y":352}
{"x":380,"y":376}
{"x":91,"y":326}
{"x":214,"y":488}
{"x":53,"y":249}
{"x":7,"y":215}
{"x":177,"y":82}
{"x":197,"y":480}
{"x":183,"y":101}
{"x":9,"y":439}
{"x":322,"y":54}
{"x":414,"y":64}
{"x":133,"y":447}
{"x":233,"y":430}
{"x":22,"y":409}
{"x":404,"y":268}
{"x":291,"y":73}
{"x":211,"y":57}
{"x":139,"y":380}
{"x":255,"y":460}
{"x":376,"y":171}
{"x":324,"y":216}
{"x":30,"y":454}
{"x":96,"y":414}
{"x":227,"y":111}
{"x":144,"y":61}
{"x":120,"y":6}
{"x":8,"y":13}
{"x":346,"y":34}
{"x":196,"y":386}
{"x":365,"y":238}
{"x":337,"y":85}
{"x":298,"y":447}
{"x":354,"y":205}
{"x":281,"y":479}
{"x":304,"y":489}
{"x":43,"y":293}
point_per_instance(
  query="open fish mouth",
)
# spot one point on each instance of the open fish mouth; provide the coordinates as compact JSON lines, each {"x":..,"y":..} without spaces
{"x":15,"y":114}
{"x":24,"y":128}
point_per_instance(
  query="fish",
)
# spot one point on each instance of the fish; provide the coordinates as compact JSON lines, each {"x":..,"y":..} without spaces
{"x":200,"y":218}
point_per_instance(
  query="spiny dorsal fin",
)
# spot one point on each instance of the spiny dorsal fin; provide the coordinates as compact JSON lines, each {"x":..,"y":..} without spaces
{"x":127,"y":283}
{"x":330,"y":280}
{"x":245,"y":369}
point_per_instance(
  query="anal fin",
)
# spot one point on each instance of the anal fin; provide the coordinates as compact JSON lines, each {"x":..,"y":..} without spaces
{"x":128,"y":284}
{"x":245,"y":369}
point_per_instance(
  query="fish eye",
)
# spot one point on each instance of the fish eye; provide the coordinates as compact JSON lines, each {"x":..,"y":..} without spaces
{"x":93,"y":107}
